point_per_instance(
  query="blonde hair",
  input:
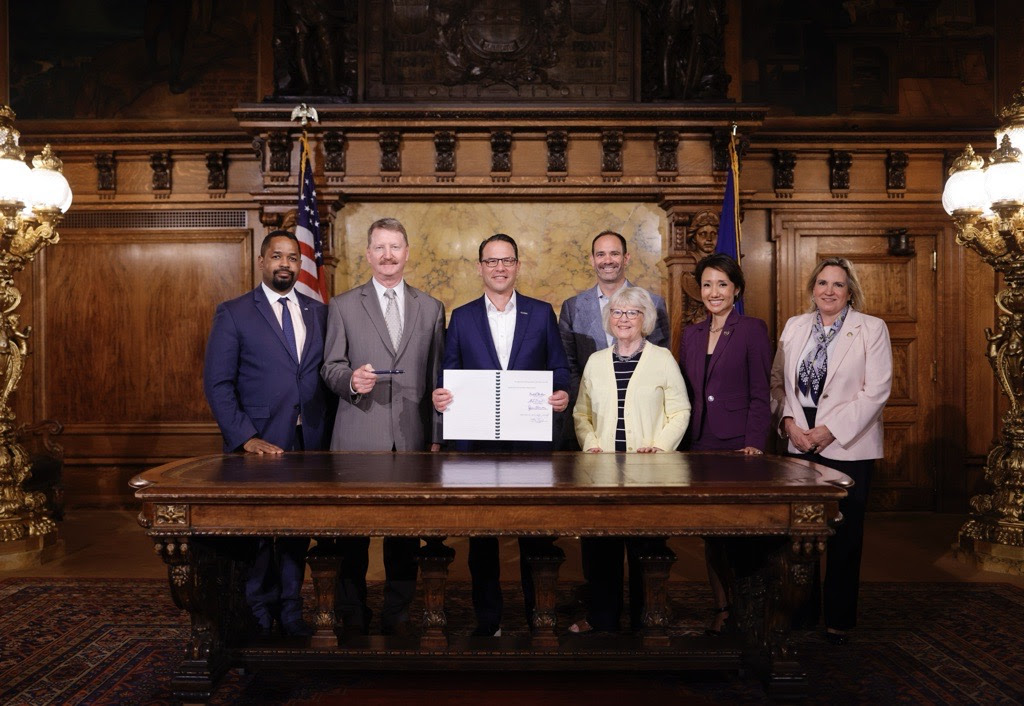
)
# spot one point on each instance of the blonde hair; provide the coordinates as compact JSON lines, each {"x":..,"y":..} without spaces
{"x":852,"y":281}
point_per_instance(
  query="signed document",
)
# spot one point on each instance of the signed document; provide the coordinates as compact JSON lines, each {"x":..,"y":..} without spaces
{"x":506,"y":405}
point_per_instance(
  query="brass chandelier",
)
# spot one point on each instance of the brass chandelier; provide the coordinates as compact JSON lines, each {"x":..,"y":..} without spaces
{"x":986,"y":201}
{"x":32,"y":203}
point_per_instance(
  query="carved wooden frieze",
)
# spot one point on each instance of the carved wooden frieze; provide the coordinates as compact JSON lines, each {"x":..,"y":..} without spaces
{"x":504,"y":50}
{"x":106,"y":172}
{"x":501,"y":152}
{"x":444,"y":153}
{"x":160,"y":163}
{"x":280,"y":152}
{"x":783,"y":167}
{"x":666,"y":147}
{"x":558,"y":145}
{"x":216,"y":171}
{"x":611,"y":152}
{"x":808,"y":514}
{"x":334,"y":152}
{"x":839,"y":164}
{"x":896,"y":172}
{"x":171,"y":515}
{"x":390,"y":159}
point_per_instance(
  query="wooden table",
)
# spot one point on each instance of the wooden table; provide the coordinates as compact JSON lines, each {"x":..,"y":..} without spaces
{"x":196,"y":511}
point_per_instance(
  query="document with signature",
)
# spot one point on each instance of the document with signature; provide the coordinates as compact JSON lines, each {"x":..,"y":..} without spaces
{"x":506,"y":405}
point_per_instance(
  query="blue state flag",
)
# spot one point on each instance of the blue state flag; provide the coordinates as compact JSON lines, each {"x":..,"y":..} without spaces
{"x":729,"y":222}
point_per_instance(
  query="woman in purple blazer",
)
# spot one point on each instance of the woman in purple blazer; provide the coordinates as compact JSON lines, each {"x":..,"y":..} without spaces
{"x":726,"y":360}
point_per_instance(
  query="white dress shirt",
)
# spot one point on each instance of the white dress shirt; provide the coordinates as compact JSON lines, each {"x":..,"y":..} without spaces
{"x":383,"y":300}
{"x":298,"y":325}
{"x":503,"y":328}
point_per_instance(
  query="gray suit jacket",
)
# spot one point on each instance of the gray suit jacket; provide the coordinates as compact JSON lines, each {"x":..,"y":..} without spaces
{"x":582,"y":334}
{"x":398,"y":410}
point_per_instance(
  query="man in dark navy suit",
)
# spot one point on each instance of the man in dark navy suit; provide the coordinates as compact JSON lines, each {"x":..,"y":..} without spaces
{"x":262,"y":381}
{"x":509,"y":331}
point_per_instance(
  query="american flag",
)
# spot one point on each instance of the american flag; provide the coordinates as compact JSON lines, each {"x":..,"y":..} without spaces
{"x":312,"y":280}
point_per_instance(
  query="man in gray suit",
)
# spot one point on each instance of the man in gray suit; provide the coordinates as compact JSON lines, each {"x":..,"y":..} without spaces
{"x":580,"y":319}
{"x":382,"y":357}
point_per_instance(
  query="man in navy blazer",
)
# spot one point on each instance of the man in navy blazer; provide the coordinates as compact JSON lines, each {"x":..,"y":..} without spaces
{"x":262,"y":381}
{"x":503,"y":330}
{"x":579,"y":321}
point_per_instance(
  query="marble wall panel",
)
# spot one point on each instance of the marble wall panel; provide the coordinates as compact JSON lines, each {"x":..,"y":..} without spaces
{"x":554,"y":244}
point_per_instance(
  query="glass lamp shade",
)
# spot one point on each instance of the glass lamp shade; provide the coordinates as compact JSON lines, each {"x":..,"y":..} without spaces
{"x":965,"y":191}
{"x":1004,"y":182}
{"x":13,"y":178}
{"x":47,"y":188}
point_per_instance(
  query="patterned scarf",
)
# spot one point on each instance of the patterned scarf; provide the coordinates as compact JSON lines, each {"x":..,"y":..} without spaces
{"x":813,"y":369}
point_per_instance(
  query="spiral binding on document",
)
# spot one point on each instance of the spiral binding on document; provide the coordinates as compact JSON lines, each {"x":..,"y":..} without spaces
{"x":497,"y":404}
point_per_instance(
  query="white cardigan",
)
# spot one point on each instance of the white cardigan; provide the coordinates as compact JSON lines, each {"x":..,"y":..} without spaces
{"x":657,"y":408}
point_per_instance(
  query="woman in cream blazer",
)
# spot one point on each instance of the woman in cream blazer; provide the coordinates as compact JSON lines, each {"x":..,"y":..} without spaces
{"x":830,"y":381}
{"x":632,"y":399}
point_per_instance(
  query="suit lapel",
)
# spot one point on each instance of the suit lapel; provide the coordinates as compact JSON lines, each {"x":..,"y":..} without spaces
{"x":728,"y":331}
{"x":523,"y":312}
{"x":412,"y":312}
{"x":264,"y":308}
{"x":310,"y":321}
{"x":592,"y":312}
{"x":697,"y":354}
{"x":371,"y":306}
{"x":485,"y":331}
{"x":847,"y":335}
{"x":796,"y":345}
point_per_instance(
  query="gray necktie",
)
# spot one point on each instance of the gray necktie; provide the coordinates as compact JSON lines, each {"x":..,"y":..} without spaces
{"x":392,"y":318}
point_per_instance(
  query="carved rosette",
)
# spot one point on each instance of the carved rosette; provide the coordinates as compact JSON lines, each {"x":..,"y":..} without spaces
{"x":783,"y":168}
{"x":839,"y":164}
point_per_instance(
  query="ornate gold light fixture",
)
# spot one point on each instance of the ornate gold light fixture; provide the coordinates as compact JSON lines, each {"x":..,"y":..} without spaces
{"x":986,"y":201}
{"x":32,"y":202}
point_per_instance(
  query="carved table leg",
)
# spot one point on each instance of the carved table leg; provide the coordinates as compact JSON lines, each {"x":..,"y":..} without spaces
{"x":197,"y":586}
{"x":324,"y":564}
{"x":656,"y":561}
{"x":544,"y":566}
{"x":434,"y":557}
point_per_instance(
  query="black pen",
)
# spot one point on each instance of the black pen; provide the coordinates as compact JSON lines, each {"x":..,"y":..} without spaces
{"x":387,"y":372}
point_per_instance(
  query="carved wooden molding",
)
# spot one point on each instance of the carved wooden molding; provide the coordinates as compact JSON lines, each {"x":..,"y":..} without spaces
{"x":106,"y":172}
{"x":809,"y":514}
{"x":160,"y":162}
{"x":839,"y":164}
{"x":783,"y":167}
{"x":390,"y":159}
{"x":171,"y":515}
{"x":444,"y":153}
{"x":334,"y":152}
{"x":720,"y":149}
{"x":280,"y":152}
{"x":666,"y":147}
{"x":501,"y":152}
{"x":611,"y":152}
{"x":896,"y":173}
{"x":216,"y":171}
{"x":558,"y":144}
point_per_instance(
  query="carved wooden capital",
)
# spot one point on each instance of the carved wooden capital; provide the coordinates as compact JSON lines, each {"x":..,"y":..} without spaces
{"x":216,"y":171}
{"x":839,"y":164}
{"x":106,"y":172}
{"x":666,"y":145}
{"x":558,"y":144}
{"x":896,"y":170}
{"x":160,"y":163}
{"x":501,"y":152}
{"x":611,"y":151}
{"x":334,"y":151}
{"x":280,"y":152}
{"x":783,"y":166}
{"x":390,"y":159}
{"x":444,"y":152}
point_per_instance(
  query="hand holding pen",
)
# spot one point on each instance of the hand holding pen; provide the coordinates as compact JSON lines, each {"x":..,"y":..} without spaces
{"x":364,"y":378}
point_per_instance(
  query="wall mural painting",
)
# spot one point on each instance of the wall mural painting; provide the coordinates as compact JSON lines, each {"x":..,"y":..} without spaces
{"x":131,"y":58}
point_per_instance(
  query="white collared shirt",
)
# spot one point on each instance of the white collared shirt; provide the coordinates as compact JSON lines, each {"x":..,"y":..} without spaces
{"x":503,"y":328}
{"x":602,"y":302}
{"x":298,"y":325}
{"x":383,"y":300}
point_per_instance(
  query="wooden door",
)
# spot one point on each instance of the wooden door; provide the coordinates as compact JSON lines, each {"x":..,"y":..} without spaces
{"x":900,"y":289}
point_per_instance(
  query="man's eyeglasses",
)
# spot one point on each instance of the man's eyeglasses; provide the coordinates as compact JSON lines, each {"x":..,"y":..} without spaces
{"x":628,"y":313}
{"x":493,"y":261}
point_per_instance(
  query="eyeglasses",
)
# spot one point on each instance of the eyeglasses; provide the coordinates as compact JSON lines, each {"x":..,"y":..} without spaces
{"x":628,"y":313}
{"x":493,"y":261}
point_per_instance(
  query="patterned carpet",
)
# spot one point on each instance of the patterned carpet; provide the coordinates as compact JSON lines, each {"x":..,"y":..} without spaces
{"x":81,"y":641}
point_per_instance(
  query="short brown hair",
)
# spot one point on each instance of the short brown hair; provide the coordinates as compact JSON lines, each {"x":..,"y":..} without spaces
{"x":392,"y":224}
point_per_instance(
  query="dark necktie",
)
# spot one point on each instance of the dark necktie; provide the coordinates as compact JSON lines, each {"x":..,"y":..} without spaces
{"x":286,"y":326}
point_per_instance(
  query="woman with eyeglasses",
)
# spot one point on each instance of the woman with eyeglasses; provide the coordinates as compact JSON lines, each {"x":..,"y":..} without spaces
{"x":726,"y":360}
{"x":830,"y":381}
{"x":632,"y":399}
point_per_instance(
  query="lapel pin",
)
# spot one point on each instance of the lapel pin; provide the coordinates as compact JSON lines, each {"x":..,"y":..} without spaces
{"x":726,"y":333}
{"x":849,"y":333}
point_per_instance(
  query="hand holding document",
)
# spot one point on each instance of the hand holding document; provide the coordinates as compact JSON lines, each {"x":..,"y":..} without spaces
{"x":506,"y":405}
